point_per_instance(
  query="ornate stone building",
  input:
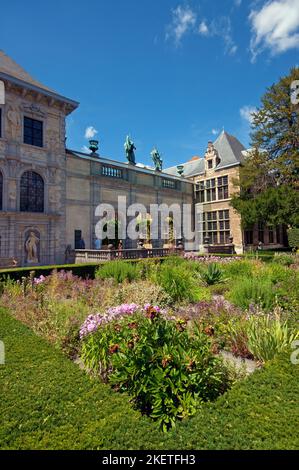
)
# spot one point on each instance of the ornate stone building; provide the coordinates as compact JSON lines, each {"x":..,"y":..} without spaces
{"x":48,"y":194}
{"x":215,"y":177}
{"x":32,"y":167}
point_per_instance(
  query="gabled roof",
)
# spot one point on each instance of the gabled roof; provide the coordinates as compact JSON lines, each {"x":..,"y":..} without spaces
{"x":11,"y":71}
{"x":230,"y":151}
{"x":10,"y":67}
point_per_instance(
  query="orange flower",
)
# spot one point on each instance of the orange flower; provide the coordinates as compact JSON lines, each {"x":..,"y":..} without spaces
{"x":114,"y":349}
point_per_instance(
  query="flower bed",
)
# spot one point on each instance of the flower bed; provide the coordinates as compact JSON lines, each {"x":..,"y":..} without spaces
{"x":147,"y":327}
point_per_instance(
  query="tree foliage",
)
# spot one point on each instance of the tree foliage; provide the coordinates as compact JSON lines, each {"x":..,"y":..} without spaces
{"x":269,"y":180}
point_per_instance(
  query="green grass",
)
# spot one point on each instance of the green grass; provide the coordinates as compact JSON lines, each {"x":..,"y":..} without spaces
{"x":47,"y":402}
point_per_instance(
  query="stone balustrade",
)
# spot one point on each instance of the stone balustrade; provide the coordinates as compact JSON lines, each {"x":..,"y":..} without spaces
{"x":96,"y":256}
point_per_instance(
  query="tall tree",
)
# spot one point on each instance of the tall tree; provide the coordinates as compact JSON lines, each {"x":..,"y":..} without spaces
{"x":269,"y":177}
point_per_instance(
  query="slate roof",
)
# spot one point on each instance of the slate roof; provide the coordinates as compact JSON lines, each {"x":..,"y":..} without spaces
{"x":229,"y":149}
{"x":192,"y":168}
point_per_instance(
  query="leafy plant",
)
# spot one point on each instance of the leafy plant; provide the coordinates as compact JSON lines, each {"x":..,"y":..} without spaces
{"x":142,"y":292}
{"x":119,"y":270}
{"x":213,"y":275}
{"x":238,"y":338}
{"x":293,"y":237}
{"x":284,"y":259}
{"x":268,"y":336}
{"x":178,"y":282}
{"x":167,"y":371}
{"x":253,"y":291}
{"x":237,"y":269}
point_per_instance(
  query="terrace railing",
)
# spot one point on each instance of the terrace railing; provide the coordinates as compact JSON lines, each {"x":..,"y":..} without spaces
{"x":96,"y":256}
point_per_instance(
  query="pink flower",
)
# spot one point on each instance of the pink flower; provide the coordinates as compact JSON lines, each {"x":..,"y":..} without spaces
{"x":39,"y":280}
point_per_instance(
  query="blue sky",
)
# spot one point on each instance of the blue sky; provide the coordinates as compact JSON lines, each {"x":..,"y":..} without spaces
{"x":170,"y":73}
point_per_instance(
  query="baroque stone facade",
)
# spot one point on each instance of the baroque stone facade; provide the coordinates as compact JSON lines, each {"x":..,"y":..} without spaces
{"x":61,"y":188}
{"x":49,"y":194}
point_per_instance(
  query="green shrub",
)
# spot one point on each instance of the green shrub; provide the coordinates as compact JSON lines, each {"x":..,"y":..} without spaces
{"x":237,"y":269}
{"x":283,"y":259}
{"x":175,"y":260}
{"x":178,"y":282}
{"x":141,"y":292}
{"x":285,"y":284}
{"x":212,"y":275}
{"x":277,"y":273}
{"x":268,"y":337}
{"x":253,"y":291}
{"x":293,"y":237}
{"x":167,"y":371}
{"x":119,"y":270}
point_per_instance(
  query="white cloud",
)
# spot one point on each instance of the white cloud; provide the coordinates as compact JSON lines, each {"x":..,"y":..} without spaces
{"x":203,"y":28}
{"x":220,"y":27}
{"x":90,"y":132}
{"x":246,"y":113}
{"x":275,"y":27}
{"x":233,"y":49}
{"x":238,"y":3}
{"x":215,"y":131}
{"x":183,"y":20}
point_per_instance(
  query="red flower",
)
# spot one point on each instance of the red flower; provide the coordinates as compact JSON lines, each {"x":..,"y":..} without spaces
{"x":209,"y":330}
{"x":152,"y":313}
{"x":114,"y":349}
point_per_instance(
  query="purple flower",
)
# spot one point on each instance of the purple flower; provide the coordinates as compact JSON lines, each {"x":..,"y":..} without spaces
{"x":93,"y":322}
{"x":210,"y":259}
{"x":39,"y":280}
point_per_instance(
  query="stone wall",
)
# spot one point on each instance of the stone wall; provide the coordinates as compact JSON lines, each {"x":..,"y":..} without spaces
{"x":235,"y":220}
{"x":48,"y":161}
{"x":87,"y":188}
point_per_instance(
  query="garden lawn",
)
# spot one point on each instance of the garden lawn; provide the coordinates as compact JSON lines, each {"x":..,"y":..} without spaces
{"x":47,"y":402}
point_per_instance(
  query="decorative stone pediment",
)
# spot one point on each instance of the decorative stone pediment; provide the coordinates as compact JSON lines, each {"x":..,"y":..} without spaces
{"x":211,"y":157}
{"x":34,"y":109}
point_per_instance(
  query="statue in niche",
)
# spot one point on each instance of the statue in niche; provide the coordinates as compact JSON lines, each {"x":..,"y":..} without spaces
{"x":14,"y":120}
{"x":129,"y":149}
{"x":157,"y":160}
{"x":31,"y":247}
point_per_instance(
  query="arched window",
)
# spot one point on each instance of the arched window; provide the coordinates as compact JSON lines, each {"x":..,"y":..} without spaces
{"x":1,"y":191}
{"x":32,"y":192}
